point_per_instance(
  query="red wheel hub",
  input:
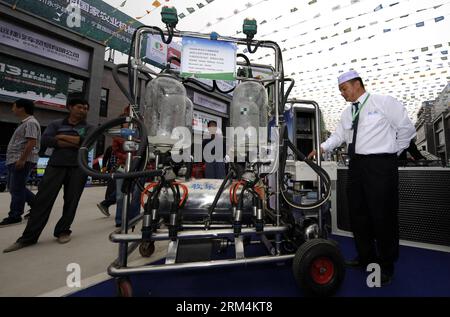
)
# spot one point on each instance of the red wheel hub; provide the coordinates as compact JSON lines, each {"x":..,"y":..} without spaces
{"x":322,"y":270}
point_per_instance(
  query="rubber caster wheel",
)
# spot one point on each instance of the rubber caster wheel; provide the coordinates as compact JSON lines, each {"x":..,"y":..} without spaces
{"x":124,"y":288}
{"x":146,"y":249}
{"x":318,"y":267}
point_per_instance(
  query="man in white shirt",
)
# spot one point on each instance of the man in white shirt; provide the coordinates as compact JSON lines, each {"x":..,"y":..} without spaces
{"x":21,"y":157}
{"x":376,"y":129}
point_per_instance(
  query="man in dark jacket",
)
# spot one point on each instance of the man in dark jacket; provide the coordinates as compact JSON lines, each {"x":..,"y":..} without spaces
{"x":65,"y":137}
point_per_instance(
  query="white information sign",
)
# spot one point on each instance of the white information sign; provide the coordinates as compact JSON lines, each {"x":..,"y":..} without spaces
{"x":201,"y":58}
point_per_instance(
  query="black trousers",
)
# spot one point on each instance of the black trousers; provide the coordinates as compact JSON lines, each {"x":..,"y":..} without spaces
{"x":373,"y":206}
{"x":110,"y":194}
{"x":73,"y":180}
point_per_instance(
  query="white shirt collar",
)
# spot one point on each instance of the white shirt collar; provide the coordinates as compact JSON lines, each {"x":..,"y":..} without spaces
{"x":27,"y":118}
{"x":362,"y":98}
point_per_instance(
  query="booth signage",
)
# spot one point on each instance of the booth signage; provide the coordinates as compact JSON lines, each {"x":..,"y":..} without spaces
{"x":158,"y":53}
{"x":32,"y":42}
{"x":94,"y":19}
{"x":210,"y":103}
{"x":208,"y":59}
{"x":47,"y":87}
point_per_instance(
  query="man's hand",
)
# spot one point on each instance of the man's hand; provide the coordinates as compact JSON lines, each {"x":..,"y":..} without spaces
{"x":20,"y":164}
{"x":314,"y":153}
{"x":66,"y":141}
{"x":68,"y":138}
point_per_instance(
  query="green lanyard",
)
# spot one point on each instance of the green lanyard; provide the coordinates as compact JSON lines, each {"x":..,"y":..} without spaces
{"x":360,"y":108}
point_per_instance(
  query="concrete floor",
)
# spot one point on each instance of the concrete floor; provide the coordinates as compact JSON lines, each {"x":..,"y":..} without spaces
{"x":41,"y":269}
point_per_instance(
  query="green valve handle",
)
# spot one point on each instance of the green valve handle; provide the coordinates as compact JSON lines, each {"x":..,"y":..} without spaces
{"x":169,"y":16}
{"x":250,"y":28}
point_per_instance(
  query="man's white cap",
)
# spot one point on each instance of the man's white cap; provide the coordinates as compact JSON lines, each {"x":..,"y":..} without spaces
{"x":347,"y":76}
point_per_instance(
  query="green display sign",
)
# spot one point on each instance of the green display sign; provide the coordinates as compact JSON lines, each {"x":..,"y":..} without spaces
{"x":21,"y":79}
{"x":94,"y":19}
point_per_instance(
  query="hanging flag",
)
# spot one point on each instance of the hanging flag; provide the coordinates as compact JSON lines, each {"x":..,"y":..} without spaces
{"x":378,"y":8}
{"x":156,"y":4}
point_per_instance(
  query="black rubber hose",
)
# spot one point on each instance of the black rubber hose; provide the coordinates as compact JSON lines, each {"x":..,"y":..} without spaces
{"x":198,"y":84}
{"x":280,"y":58}
{"x":288,"y":92}
{"x":247,"y":60}
{"x":92,"y":138}
{"x":319,"y":170}
{"x":115,"y":73}
{"x":219,"y":193}
{"x":215,"y":87}
{"x":241,"y":196}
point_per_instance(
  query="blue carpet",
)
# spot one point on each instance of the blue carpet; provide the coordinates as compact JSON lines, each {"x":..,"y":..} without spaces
{"x":419,"y":273}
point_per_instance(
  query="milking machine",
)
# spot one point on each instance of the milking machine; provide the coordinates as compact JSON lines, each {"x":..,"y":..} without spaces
{"x":253,"y":205}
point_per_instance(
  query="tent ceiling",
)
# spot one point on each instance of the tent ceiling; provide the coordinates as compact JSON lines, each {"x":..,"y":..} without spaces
{"x":400,"y":47}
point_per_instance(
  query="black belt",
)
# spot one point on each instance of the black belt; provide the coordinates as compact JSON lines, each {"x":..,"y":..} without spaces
{"x":374,"y":155}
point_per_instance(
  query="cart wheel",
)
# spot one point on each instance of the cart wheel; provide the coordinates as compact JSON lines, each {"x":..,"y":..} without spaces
{"x":146,"y":249}
{"x":318,"y":267}
{"x":124,"y":288}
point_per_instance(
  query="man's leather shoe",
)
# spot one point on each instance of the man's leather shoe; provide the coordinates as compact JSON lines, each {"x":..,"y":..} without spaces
{"x":15,"y":246}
